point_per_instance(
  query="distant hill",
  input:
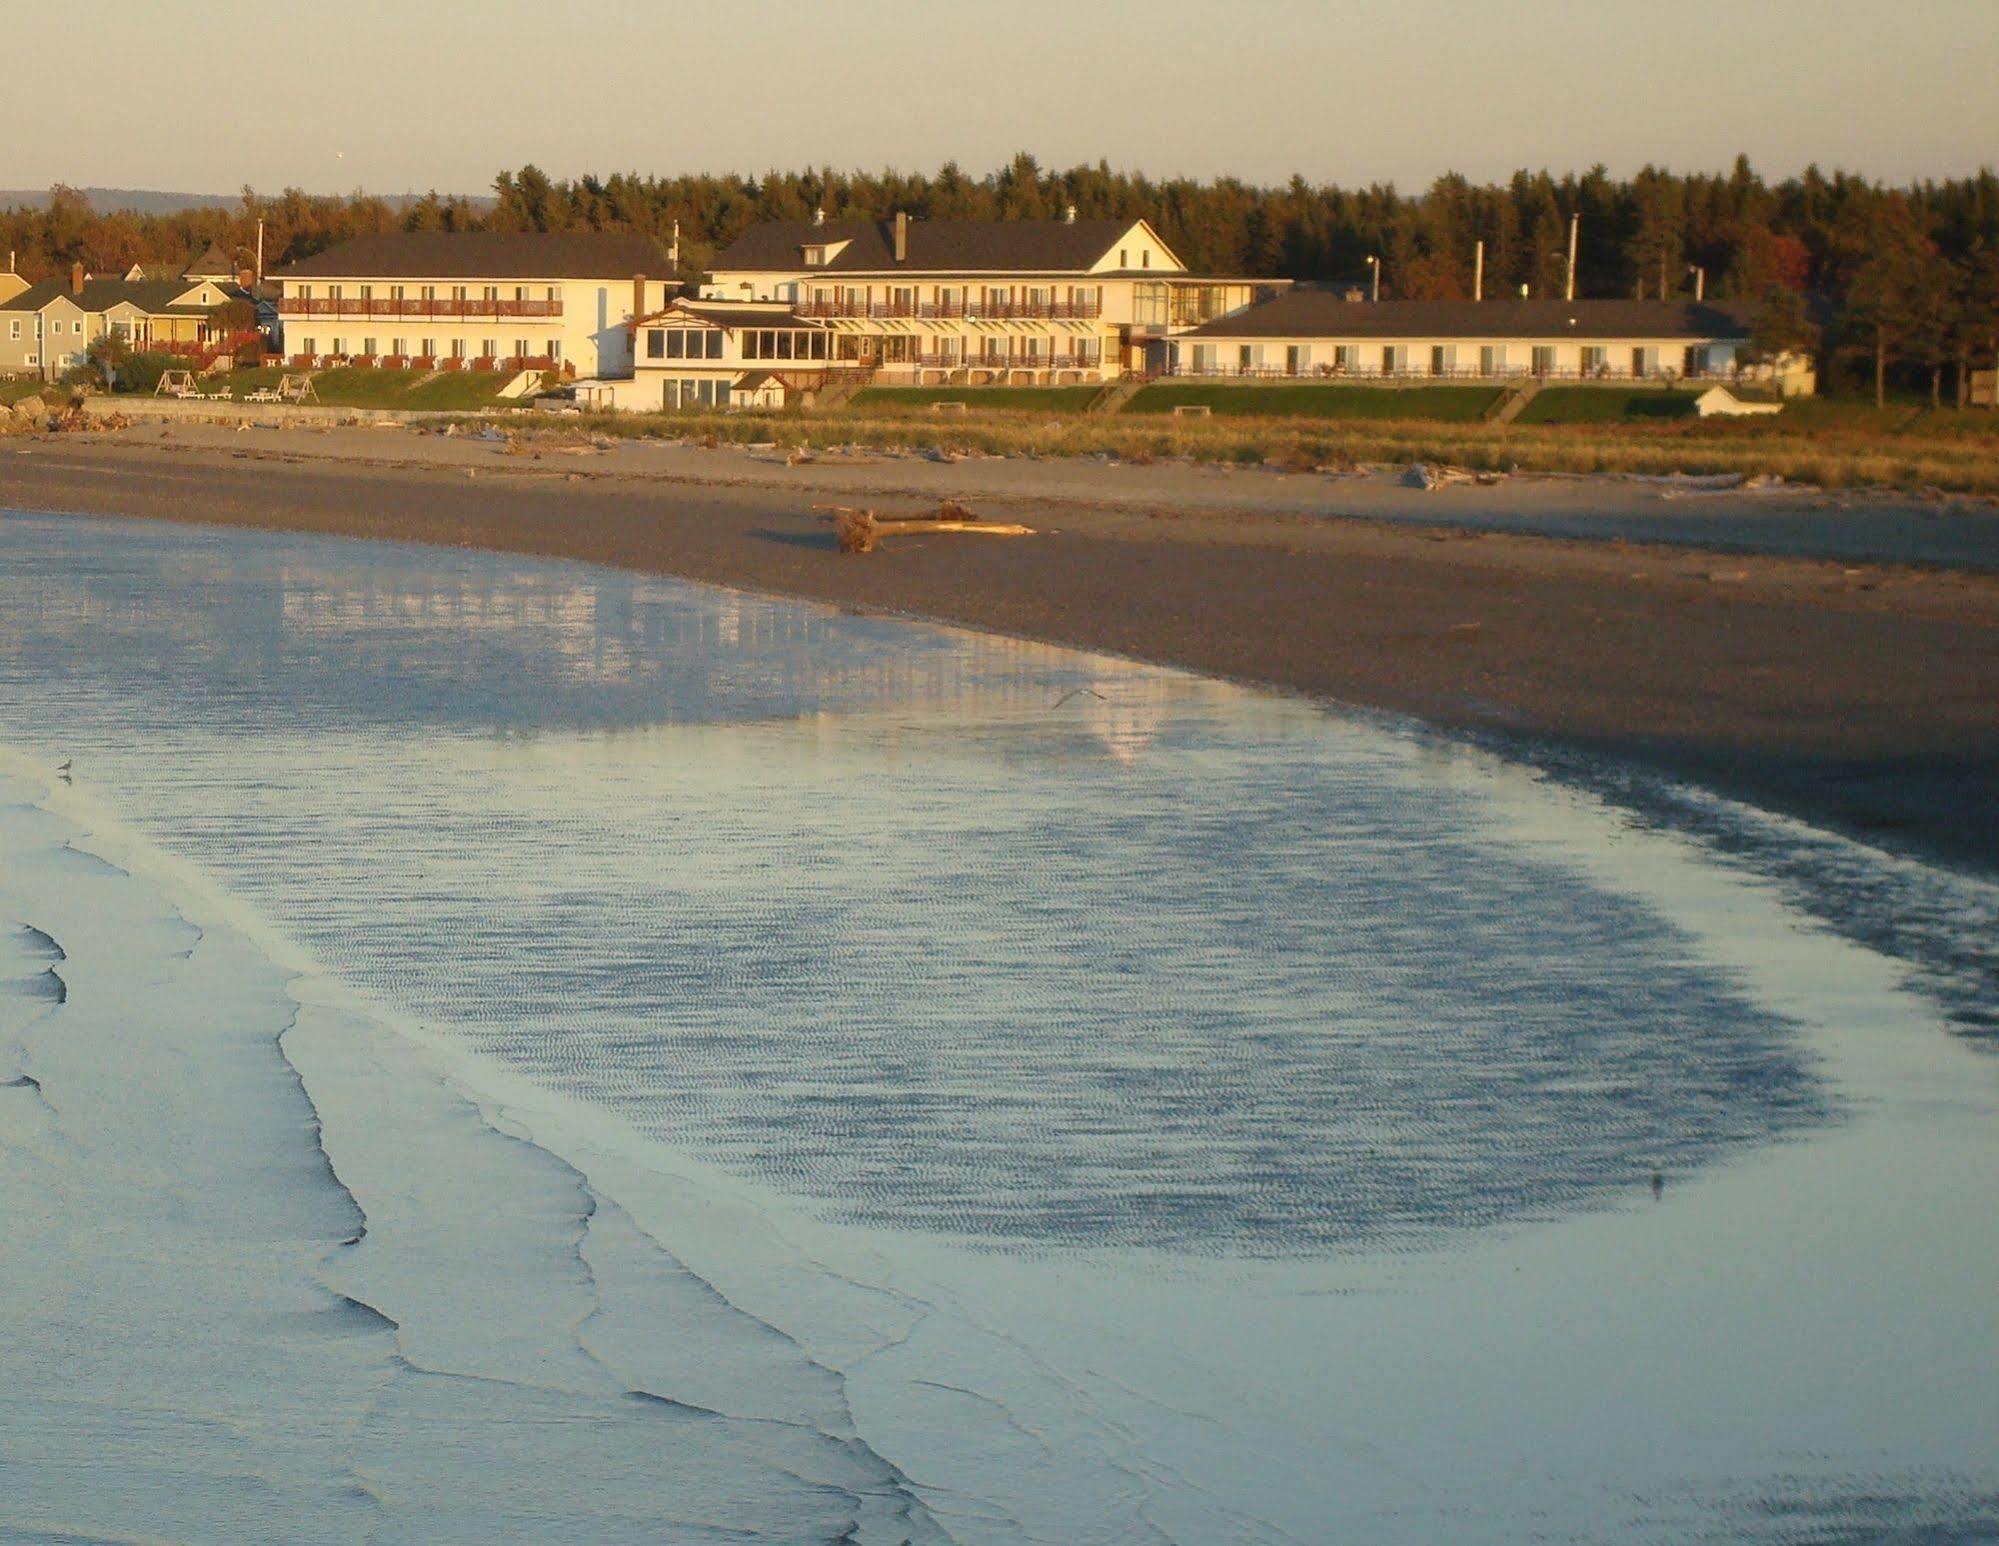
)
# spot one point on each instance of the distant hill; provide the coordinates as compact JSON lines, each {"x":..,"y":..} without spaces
{"x":148,"y":201}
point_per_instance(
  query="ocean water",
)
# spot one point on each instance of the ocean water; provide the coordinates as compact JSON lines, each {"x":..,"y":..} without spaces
{"x":769,"y":1071}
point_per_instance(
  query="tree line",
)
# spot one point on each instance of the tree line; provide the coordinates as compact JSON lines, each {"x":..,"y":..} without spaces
{"x":1886,"y":283}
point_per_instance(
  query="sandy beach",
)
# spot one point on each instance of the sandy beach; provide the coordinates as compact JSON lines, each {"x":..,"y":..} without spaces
{"x":1836,"y":658}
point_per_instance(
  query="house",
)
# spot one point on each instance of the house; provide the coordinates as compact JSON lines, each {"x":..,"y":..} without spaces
{"x":484,"y":300}
{"x":975,"y":302}
{"x":720,"y":354}
{"x":48,"y":328}
{"x":1318,"y":333}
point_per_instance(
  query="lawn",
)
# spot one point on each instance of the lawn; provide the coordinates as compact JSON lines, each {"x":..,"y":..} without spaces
{"x":13,"y":391}
{"x":454,"y":391}
{"x":1453,"y":404}
{"x":1606,"y":405}
{"x":1068,"y":399}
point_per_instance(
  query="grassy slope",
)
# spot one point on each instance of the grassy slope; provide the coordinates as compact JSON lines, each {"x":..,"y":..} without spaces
{"x":457,"y":391}
{"x":1069,"y":399}
{"x":1447,"y":404}
{"x":13,"y":391}
{"x":1605,"y":405}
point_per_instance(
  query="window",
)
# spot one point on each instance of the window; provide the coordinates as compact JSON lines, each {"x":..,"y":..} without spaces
{"x":1394,"y":359}
{"x":490,"y":348}
{"x":1297,"y":359}
{"x":458,"y":292}
{"x":1443,"y":359}
{"x":1644,"y":362}
{"x":430,"y":292}
{"x":305,"y":292}
{"x":458,"y":348}
{"x":1088,"y":299}
{"x":430,"y":348}
{"x":367,"y":292}
{"x":491,"y":293}
{"x":14,"y":327}
{"x":1124,"y":257}
{"x":339,"y":346}
{"x":676,"y":344}
{"x":395,"y":292}
{"x":1204,"y":359}
{"x":1491,"y":360}
{"x":1595,"y":359}
{"x":1544,"y":359}
{"x":553,"y":295}
{"x":1145,"y":258}
{"x":1148,"y":305}
{"x":714,"y":343}
{"x":367,"y":346}
{"x":523,"y":349}
{"x":520,"y":293}
{"x":1245,"y":358}
{"x":655,"y":343}
{"x":784,"y":341}
{"x":309,"y":345}
{"x":815,"y":257}
{"x":555,"y":351}
{"x":1696,"y":360}
{"x":1346,"y":359}
{"x":334,"y":292}
{"x":399,"y":347}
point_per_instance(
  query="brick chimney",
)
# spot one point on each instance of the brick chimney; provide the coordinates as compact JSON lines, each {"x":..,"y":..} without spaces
{"x":901,"y":237}
{"x":246,"y":278}
{"x":76,"y":277}
{"x":638,"y":296}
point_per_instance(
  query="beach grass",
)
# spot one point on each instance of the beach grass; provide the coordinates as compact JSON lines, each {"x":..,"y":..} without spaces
{"x":1901,"y":447}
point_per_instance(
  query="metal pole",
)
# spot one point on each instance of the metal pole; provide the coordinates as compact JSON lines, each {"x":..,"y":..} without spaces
{"x":1374,"y":288}
{"x":1478,"y":274}
{"x":260,"y":252}
{"x":1569,"y":290}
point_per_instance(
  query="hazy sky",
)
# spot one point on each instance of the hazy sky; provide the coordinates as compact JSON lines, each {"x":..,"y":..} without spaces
{"x":415,"y":94}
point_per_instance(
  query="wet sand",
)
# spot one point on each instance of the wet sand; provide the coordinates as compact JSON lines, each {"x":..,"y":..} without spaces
{"x":1857,"y":693}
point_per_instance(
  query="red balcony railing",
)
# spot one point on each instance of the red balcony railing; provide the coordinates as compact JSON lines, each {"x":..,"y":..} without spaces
{"x":439,"y":307}
{"x":953,"y":311}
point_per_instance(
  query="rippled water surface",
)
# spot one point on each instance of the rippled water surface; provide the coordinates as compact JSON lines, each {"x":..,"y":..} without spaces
{"x":937,"y":930}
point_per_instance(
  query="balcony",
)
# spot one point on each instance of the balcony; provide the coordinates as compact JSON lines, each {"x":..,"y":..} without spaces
{"x":952,"y":311}
{"x":439,"y":308}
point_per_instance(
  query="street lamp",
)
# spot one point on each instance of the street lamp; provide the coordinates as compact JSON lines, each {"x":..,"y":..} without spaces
{"x":1374,"y":286}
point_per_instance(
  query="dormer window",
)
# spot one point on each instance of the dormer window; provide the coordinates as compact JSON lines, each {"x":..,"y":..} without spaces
{"x":815,"y":257}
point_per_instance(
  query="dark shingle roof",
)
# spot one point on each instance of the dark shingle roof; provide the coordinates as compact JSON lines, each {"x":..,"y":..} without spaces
{"x":1324,"y":314}
{"x":935,"y":246}
{"x":212,"y":262}
{"x":735,"y":314}
{"x":153,"y":296}
{"x":484,"y":255}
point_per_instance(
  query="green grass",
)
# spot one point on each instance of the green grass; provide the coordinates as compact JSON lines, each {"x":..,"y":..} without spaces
{"x":451,"y":392}
{"x":1450,"y":404}
{"x":1068,"y":399}
{"x":1606,"y":405}
{"x":12,"y":392}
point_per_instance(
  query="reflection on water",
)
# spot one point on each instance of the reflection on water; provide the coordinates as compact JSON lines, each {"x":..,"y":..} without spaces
{"x":941,"y":931}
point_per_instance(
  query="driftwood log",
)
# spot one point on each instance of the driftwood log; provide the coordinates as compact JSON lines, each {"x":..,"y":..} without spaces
{"x":859,"y":531}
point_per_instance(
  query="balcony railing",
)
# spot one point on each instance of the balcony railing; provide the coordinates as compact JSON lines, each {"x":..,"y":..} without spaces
{"x":999,"y":362}
{"x":438,"y":307}
{"x":952,"y":311}
{"x":1417,"y":373}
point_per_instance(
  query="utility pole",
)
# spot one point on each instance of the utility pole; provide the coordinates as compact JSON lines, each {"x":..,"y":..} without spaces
{"x":1569,"y":289}
{"x":1478,"y":274}
{"x":1374,"y":291}
{"x":260,"y":252}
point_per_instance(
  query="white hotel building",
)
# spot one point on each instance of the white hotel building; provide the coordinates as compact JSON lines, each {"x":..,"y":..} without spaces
{"x":480,"y":300}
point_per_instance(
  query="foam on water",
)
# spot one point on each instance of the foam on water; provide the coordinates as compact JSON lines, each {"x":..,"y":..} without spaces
{"x":497,"y":1050}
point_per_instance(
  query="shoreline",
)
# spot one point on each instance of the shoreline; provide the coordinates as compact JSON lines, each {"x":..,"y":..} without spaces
{"x":1855,"y":694}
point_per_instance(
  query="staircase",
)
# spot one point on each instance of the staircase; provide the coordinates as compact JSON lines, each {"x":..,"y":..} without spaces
{"x":1116,"y":395}
{"x":1514,"y":403}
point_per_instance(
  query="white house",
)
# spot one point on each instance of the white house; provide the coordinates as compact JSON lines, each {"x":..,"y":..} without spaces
{"x":484,"y":300}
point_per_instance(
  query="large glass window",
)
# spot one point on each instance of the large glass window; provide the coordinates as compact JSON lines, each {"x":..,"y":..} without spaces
{"x":676,"y":344}
{"x":655,"y":343}
{"x":1148,"y":305}
{"x":1544,"y":359}
{"x":714,"y":342}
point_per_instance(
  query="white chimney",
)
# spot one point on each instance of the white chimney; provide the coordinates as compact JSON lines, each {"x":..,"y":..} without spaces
{"x":1069,"y":215}
{"x":819,"y":215}
{"x":901,"y":237}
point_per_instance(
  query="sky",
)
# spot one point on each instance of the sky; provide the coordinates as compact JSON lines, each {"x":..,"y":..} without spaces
{"x":394,"y":96}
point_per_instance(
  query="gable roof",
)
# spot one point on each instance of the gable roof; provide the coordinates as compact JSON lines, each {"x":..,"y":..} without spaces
{"x":155,"y":297}
{"x":935,"y":246}
{"x":1326,"y":314}
{"x":212,"y":264}
{"x":484,"y":255}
